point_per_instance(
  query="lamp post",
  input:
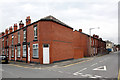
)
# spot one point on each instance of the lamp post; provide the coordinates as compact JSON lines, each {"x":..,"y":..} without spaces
{"x":91,"y":54}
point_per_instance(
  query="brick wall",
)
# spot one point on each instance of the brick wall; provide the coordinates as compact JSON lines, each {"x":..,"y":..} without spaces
{"x":62,"y":41}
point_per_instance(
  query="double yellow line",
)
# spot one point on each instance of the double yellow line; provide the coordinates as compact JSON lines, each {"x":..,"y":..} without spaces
{"x":77,"y":63}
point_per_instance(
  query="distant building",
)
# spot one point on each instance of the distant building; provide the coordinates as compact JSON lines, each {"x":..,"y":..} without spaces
{"x":109,"y":46}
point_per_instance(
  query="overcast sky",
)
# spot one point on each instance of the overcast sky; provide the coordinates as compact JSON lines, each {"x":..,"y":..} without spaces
{"x":79,"y":14}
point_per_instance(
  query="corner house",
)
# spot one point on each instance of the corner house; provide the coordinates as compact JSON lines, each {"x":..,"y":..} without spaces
{"x":46,"y":41}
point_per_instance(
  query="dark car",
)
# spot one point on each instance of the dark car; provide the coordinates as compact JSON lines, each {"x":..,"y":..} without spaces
{"x":4,"y":59}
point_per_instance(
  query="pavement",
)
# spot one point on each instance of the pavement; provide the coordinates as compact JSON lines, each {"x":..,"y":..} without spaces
{"x":43,"y":66}
{"x":103,"y":67}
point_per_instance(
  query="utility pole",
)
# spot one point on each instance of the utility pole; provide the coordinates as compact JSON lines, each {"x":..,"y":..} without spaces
{"x":91,"y":54}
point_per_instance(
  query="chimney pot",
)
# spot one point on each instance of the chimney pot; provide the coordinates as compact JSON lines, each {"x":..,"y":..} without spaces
{"x":94,"y":35}
{"x":28,"y":20}
{"x":15,"y":27}
{"x":28,"y":17}
{"x":100,"y":38}
{"x":80,"y":30}
{"x":21,"y":24}
{"x":3,"y":33}
{"x":97,"y":36}
{"x":10,"y":29}
{"x":6,"y":31}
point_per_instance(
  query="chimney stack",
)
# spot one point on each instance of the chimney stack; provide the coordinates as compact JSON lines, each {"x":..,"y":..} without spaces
{"x":3,"y":33}
{"x":97,"y":36}
{"x":10,"y":29}
{"x":6,"y":31}
{"x":100,"y":38}
{"x":80,"y":30}
{"x":28,"y":20}
{"x":94,"y":35}
{"x":15,"y":27}
{"x":21,"y":24}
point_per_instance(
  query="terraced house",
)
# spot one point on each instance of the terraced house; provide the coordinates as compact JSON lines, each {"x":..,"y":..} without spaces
{"x":46,"y":41}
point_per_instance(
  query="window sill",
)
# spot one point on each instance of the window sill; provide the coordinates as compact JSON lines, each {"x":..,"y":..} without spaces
{"x":23,"y":57}
{"x":18,"y":57}
{"x":35,"y":57}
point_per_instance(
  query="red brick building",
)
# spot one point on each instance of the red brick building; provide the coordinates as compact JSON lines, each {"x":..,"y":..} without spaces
{"x":46,"y":41}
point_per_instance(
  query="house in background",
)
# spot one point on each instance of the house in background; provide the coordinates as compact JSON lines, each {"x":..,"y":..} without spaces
{"x":109,"y":46}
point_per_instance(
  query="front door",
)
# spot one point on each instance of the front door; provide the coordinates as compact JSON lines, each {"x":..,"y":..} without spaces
{"x":28,"y":53}
{"x":46,"y":59}
{"x":15,"y":54}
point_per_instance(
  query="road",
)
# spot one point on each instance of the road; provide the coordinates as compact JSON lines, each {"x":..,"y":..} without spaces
{"x":97,"y":67}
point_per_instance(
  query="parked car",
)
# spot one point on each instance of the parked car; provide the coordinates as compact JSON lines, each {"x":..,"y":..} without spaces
{"x":108,"y":50}
{"x":4,"y":59}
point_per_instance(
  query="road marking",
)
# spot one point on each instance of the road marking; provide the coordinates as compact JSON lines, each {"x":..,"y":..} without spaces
{"x":31,"y":67}
{"x":86,"y":75}
{"x":60,"y":71}
{"x":77,"y":63}
{"x":94,"y":64}
{"x":62,"y":62}
{"x":89,"y":75}
{"x":97,"y":76}
{"x":101,"y":68}
{"x":76,"y":73}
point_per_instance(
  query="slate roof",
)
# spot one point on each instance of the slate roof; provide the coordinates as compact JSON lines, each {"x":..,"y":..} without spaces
{"x":51,"y":18}
{"x":47,"y":18}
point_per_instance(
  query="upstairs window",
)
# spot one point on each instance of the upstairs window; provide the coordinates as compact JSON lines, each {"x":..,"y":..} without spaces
{"x":3,"y":43}
{"x":18,"y":37}
{"x":35,"y":50}
{"x":12,"y":39}
{"x":24,"y":35}
{"x":35,"y":32}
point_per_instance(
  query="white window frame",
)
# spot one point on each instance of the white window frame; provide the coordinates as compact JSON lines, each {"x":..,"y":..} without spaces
{"x":35,"y":32}
{"x":24,"y":35}
{"x":24,"y":50}
{"x":12,"y":39}
{"x":18,"y":51}
{"x":3,"y":39}
{"x":35,"y":46}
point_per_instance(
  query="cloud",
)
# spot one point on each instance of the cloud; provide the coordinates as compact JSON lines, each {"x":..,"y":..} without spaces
{"x":76,"y":13}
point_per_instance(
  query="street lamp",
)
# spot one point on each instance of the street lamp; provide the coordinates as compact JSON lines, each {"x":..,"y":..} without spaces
{"x":90,"y":39}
